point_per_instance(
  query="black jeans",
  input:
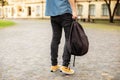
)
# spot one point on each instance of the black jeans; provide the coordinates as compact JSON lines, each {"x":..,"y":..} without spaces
{"x":59,"y":22}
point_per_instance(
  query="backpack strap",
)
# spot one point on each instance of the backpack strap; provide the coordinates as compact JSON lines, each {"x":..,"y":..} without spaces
{"x":74,"y":61}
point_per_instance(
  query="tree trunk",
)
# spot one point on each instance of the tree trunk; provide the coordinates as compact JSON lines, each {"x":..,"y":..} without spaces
{"x":115,"y":8}
{"x":111,"y":19}
{"x":111,"y":15}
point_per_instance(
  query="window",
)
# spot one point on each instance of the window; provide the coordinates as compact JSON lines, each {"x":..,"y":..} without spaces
{"x":12,"y":11}
{"x":118,"y":10}
{"x":0,"y":12}
{"x":92,"y":9}
{"x":6,"y":12}
{"x":38,"y":10}
{"x":19,"y":8}
{"x":80,"y":9}
{"x":104,"y":10}
{"x":29,"y":11}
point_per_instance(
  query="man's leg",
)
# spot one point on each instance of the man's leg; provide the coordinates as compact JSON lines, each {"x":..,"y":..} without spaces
{"x":67,"y":21}
{"x":57,"y":32}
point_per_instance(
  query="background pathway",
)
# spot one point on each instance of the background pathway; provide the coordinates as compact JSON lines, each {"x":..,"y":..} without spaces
{"x":25,"y":54}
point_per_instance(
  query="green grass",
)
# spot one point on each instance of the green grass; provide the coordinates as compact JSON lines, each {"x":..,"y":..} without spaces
{"x":101,"y":26}
{"x":116,"y":22}
{"x":6,"y":23}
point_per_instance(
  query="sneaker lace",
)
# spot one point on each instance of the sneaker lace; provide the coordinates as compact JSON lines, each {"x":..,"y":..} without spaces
{"x":68,"y":68}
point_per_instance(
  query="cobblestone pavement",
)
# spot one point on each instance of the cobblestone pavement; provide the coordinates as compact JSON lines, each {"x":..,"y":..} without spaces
{"x":25,"y":48}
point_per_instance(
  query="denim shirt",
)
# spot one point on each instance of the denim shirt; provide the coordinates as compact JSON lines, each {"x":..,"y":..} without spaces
{"x":57,"y":7}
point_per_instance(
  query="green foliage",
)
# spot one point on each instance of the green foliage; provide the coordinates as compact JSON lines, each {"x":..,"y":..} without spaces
{"x":3,"y":2}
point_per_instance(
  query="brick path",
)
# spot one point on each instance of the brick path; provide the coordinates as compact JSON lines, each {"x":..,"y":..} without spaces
{"x":24,"y":54}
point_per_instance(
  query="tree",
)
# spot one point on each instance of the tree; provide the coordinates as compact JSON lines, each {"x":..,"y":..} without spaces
{"x":3,"y":2}
{"x":111,"y":14}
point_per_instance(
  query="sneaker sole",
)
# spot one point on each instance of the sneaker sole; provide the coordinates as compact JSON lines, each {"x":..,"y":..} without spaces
{"x":66,"y":72}
{"x":57,"y":69}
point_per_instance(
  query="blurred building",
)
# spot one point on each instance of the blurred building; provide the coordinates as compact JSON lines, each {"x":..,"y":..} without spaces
{"x":24,"y":9}
{"x":93,"y":9}
{"x":96,"y":9}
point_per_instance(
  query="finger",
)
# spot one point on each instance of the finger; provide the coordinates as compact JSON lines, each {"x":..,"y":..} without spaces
{"x":74,"y":17}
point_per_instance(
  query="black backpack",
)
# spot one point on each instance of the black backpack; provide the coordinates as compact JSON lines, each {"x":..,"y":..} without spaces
{"x":78,"y":43}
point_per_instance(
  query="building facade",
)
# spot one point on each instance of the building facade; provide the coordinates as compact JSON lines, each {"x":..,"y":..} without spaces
{"x":95,"y":9}
{"x":23,"y":9}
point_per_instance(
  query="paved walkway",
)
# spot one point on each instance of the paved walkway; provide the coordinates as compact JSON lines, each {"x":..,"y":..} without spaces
{"x":24,"y":54}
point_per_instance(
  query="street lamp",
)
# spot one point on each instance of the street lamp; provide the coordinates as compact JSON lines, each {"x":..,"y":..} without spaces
{"x":89,"y":10}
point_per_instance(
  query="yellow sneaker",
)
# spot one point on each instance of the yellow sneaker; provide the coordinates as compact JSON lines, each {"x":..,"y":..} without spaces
{"x":66,"y":70}
{"x":55,"y":68}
